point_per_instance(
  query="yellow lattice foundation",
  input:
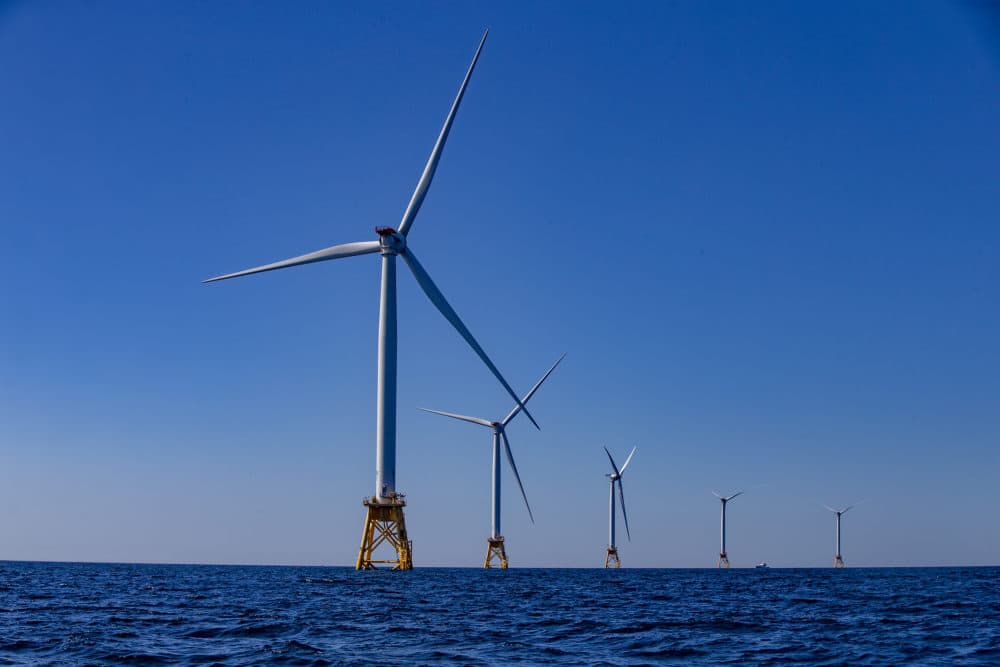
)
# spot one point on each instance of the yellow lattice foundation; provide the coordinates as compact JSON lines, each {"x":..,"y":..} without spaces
{"x":611,"y":558}
{"x":838,"y":561}
{"x":724,"y":560}
{"x":385,"y":525}
{"x":495,"y":550}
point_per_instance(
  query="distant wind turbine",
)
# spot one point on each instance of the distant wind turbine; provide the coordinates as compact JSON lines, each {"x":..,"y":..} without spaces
{"x":495,"y":544}
{"x":838,"y":562}
{"x":723,"y":556}
{"x":615,"y":476}
{"x":384,"y":522}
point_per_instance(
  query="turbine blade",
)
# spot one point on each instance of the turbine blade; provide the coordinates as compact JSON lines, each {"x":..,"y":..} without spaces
{"x":845,"y":510}
{"x":513,"y":467}
{"x":621,"y":497}
{"x":613,"y":466}
{"x":860,"y":502}
{"x":437,"y":298}
{"x":474,"y":420}
{"x":527,"y":397}
{"x":738,"y":493}
{"x":432,"y":162}
{"x":717,"y":495}
{"x":830,"y":508}
{"x":333,"y":252}
{"x":627,"y":460}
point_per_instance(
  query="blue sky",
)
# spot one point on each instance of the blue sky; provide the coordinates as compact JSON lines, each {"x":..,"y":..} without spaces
{"x":766,"y":236}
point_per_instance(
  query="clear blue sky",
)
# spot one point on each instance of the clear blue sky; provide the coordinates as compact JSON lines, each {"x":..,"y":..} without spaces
{"x":766,"y":234}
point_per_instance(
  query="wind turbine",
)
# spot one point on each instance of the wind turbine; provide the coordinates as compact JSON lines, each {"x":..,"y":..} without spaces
{"x":495,"y":542}
{"x":723,"y":557}
{"x":837,"y":560}
{"x":615,"y":476}
{"x":384,"y":522}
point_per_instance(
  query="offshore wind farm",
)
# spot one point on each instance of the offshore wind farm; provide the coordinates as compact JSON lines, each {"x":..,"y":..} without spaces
{"x":753,"y":243}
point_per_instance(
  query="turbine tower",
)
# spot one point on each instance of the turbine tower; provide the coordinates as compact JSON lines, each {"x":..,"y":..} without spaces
{"x":495,"y":542}
{"x":838,"y":562}
{"x":615,"y":476}
{"x":723,"y":557}
{"x":384,"y":521}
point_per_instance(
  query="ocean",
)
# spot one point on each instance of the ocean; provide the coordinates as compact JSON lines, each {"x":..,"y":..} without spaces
{"x":76,"y":614}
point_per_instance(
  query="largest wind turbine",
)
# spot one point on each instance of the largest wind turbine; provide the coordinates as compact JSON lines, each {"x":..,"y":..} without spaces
{"x":615,"y":477}
{"x":723,"y":556}
{"x":495,"y":543}
{"x":384,"y":522}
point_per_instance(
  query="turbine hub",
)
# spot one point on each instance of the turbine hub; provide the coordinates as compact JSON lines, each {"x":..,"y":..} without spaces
{"x":390,"y":241}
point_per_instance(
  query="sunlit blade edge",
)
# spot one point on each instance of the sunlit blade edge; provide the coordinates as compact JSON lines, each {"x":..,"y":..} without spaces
{"x":437,"y":298}
{"x":513,"y":467}
{"x":466,"y":418}
{"x":417,"y":200}
{"x":333,"y":252}
{"x":527,"y":397}
{"x":629,"y":459}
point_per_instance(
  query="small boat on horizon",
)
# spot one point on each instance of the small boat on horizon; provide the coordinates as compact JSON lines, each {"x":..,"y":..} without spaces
{"x":762,"y":566}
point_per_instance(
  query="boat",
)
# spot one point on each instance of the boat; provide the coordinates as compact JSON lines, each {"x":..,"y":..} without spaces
{"x":762,"y":566}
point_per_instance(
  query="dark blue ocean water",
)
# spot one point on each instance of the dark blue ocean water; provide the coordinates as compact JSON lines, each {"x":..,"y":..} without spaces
{"x":54,"y":613}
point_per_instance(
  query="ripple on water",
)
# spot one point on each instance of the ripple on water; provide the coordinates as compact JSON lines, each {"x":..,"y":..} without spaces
{"x":201,"y":615}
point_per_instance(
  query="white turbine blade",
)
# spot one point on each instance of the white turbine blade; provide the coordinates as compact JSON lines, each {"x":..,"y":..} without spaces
{"x":621,"y":497}
{"x":860,"y":502}
{"x":738,"y":493}
{"x":474,"y":420}
{"x":613,"y":466}
{"x":717,"y":495}
{"x":844,"y":511}
{"x":513,"y":467}
{"x":333,"y":252}
{"x":527,"y":397}
{"x":432,"y":162}
{"x":437,"y":298}
{"x":625,"y":465}
{"x":830,"y":508}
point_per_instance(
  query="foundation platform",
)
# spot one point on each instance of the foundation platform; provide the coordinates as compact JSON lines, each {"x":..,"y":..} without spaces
{"x":724,"y":561}
{"x":495,"y":551}
{"x":385,"y":526}
{"x":611,"y":558}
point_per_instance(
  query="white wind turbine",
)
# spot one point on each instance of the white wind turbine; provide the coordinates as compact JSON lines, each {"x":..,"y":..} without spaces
{"x":495,"y":543}
{"x":615,"y":477}
{"x":837,"y":560}
{"x":723,"y":557}
{"x":384,"y":522}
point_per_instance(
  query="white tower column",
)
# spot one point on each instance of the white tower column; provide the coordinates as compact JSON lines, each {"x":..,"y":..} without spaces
{"x":838,"y":533}
{"x":495,"y":489}
{"x":385,"y":433}
{"x":723,"y":529}
{"x":611,"y":516}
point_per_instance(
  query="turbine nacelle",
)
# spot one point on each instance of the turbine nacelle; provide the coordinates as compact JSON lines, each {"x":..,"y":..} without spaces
{"x":390,"y":241}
